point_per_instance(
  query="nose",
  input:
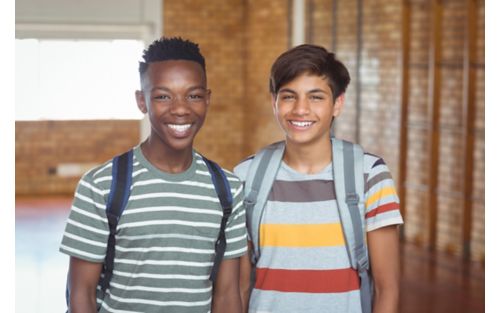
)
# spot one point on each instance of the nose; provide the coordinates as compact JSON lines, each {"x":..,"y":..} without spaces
{"x":301,"y":106}
{"x":179,"y":106}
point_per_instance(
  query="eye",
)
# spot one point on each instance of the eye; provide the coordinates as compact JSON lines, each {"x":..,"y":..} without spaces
{"x":195,"y":97}
{"x":162,"y":97}
{"x":317,"y":97}
{"x":287,"y":97}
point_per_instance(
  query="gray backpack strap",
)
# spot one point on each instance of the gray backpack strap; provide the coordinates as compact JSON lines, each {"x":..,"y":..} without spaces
{"x":258,"y":183}
{"x":349,"y":189}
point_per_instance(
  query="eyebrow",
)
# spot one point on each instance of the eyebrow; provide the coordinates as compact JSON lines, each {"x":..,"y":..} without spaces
{"x":309,"y":91}
{"x":189,"y":89}
{"x":317,"y":90}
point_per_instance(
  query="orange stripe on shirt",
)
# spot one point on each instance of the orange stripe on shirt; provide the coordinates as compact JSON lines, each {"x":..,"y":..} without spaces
{"x":301,"y":235}
{"x":312,"y":281}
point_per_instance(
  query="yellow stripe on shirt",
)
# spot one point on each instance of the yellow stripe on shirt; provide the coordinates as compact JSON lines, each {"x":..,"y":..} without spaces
{"x":301,"y":235}
{"x":386,"y":191}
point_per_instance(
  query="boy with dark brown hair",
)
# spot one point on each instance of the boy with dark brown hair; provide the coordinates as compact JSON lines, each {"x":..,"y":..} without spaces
{"x":306,"y":247}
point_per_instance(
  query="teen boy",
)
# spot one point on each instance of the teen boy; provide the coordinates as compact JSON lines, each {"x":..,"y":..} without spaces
{"x":303,"y":264}
{"x":166,"y":234}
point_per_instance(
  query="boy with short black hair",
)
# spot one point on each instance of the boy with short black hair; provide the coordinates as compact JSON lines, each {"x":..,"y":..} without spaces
{"x":298,"y":240}
{"x":164,"y":250}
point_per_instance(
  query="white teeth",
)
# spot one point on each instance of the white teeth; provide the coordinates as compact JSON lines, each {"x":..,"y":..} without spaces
{"x":179,"y":128}
{"x":301,"y":124}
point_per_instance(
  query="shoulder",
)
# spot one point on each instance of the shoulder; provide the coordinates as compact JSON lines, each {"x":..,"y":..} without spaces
{"x":377,"y":173}
{"x":99,"y":175}
{"x":233,"y":180}
{"x":241,"y":168}
{"x":373,"y":162}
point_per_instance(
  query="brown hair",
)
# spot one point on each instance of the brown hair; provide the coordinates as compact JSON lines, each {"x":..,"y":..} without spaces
{"x":310,"y":59}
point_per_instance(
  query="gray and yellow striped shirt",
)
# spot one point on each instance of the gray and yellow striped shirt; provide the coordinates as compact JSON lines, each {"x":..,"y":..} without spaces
{"x":165,"y":237}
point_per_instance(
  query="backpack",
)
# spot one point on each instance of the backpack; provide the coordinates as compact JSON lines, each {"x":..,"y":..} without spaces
{"x":117,"y":201}
{"x":349,"y":189}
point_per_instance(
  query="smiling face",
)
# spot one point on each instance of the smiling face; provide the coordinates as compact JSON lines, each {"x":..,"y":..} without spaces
{"x":175,"y":97}
{"x":304,"y":109}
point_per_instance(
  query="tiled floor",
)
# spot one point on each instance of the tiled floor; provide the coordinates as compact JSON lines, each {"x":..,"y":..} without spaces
{"x":430,"y":283}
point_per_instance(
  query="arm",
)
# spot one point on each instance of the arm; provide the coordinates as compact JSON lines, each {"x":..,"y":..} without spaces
{"x":226,"y":297}
{"x":83,"y":278}
{"x":245,"y":277}
{"x":383,"y":244}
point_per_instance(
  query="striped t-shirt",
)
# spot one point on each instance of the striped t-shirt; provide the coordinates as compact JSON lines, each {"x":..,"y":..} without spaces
{"x":165,"y":238}
{"x":304,"y":265}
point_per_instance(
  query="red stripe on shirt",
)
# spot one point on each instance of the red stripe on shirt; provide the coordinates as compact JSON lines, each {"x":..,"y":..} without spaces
{"x":312,"y":281}
{"x":383,"y":208}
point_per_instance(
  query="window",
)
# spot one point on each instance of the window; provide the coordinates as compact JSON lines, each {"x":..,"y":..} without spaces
{"x":77,"y":79}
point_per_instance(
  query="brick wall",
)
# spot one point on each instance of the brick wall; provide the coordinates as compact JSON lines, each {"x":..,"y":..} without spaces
{"x":451,"y":150}
{"x":335,"y":26}
{"x":217,"y":26}
{"x":379,"y":111}
{"x":477,"y":235}
{"x":451,"y":164}
{"x":43,"y":146}
{"x":345,"y":46}
{"x":417,"y":217}
{"x":266,"y":38}
{"x":240,"y":40}
{"x":381,"y":81}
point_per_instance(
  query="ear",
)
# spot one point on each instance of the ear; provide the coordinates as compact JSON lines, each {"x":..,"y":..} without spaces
{"x":141,"y":101}
{"x":274,"y":98}
{"x":338,"y":105}
{"x":209,"y":94}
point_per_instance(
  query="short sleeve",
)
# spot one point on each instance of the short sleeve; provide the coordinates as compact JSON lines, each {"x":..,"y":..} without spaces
{"x":236,"y":234}
{"x":381,"y":199}
{"x":86,"y":232}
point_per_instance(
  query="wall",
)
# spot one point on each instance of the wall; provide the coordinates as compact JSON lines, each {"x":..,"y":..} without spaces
{"x":267,"y":36}
{"x":375,"y":47}
{"x":449,"y":218}
{"x":43,"y":146}
{"x":378,"y":51}
{"x":217,"y":26}
{"x":239,"y":39}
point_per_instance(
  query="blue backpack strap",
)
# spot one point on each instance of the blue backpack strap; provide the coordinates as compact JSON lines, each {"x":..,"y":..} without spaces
{"x":258,"y":183}
{"x":117,"y":201}
{"x":349,"y":190}
{"x":222,"y":187}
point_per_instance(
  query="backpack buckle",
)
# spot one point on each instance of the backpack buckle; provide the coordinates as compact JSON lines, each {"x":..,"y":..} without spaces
{"x":363,"y":264}
{"x":250,"y":200}
{"x":352,"y":198}
{"x":247,"y":203}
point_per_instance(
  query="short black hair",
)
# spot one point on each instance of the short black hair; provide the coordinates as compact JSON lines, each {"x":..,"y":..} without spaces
{"x":174,"y":48}
{"x":310,"y":59}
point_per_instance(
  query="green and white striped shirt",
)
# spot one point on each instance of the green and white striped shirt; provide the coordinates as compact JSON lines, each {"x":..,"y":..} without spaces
{"x":165,"y":238}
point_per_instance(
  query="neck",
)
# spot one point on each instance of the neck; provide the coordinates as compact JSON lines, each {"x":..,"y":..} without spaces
{"x":308,"y":159}
{"x":167,"y":160}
